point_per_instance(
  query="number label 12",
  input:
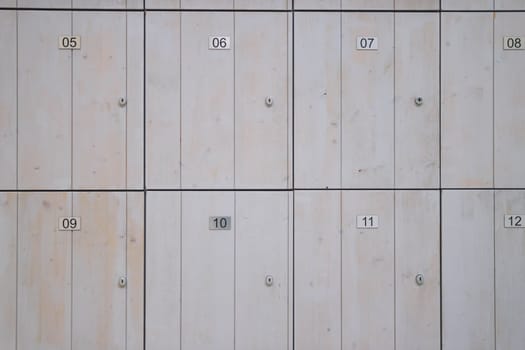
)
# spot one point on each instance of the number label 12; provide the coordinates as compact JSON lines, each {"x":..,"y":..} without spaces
{"x":220,"y":223}
{"x":367,"y":221}
{"x":514,"y":221}
{"x":367,"y":43}
{"x":69,"y":223}
{"x":69,"y":42}
{"x":219,"y":43}
{"x":513,"y":43}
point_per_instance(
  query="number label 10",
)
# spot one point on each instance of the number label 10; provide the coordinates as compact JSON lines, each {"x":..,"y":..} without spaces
{"x":69,"y":42}
{"x":69,"y":223}
{"x":220,"y":223}
{"x":513,"y":43}
{"x":367,"y":43}
{"x":514,"y":221}
{"x":367,"y":221}
{"x":219,"y":43}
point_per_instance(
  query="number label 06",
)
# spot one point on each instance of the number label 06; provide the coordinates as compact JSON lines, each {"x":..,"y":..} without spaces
{"x":220,"y":223}
{"x":69,"y":42}
{"x":514,"y":221}
{"x":367,"y":43}
{"x":219,"y":43}
{"x":69,"y":223}
{"x":367,"y":221}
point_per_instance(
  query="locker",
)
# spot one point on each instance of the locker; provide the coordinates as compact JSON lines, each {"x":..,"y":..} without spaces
{"x":263,"y":4}
{"x":367,"y":271}
{"x":317,"y":99}
{"x":510,"y":269}
{"x":261,"y":270}
{"x":44,"y":103}
{"x":8,"y":95}
{"x":417,"y":251}
{"x":8,"y":269}
{"x":468,"y":270}
{"x":367,"y":4}
{"x":509,"y":5}
{"x":207,"y":319}
{"x":417,"y":4}
{"x":44,"y":4}
{"x":367,"y":101}
{"x":462,"y":5}
{"x":417,"y":123}
{"x":207,"y":4}
{"x":162,"y":4}
{"x":207,"y":102}
{"x":8,"y":3}
{"x":261,"y":100}
{"x":107,"y":4}
{"x":467,"y":100}
{"x":317,"y":5}
{"x":317,"y":217}
{"x":509,"y":132}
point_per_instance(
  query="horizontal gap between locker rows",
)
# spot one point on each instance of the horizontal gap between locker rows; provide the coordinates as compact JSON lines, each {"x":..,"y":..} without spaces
{"x":272,"y":189}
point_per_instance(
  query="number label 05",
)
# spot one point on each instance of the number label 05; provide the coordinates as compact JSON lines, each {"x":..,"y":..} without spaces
{"x":367,"y":43}
{"x":220,"y":223}
{"x":514,"y":221}
{"x":219,"y":43}
{"x":367,"y":221}
{"x":69,"y":42}
{"x":69,"y":223}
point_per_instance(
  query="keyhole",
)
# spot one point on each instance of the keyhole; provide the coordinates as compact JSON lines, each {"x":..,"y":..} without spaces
{"x":122,"y":102}
{"x":420,"y":279}
{"x":268,"y":101}
{"x":269,"y":280}
{"x":122,"y":282}
{"x":418,"y":101}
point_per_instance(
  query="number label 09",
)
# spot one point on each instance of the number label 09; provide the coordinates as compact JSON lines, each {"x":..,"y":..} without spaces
{"x":513,"y":43}
{"x":69,"y":223}
{"x":220,"y":223}
{"x":219,"y":43}
{"x":69,"y":42}
{"x":367,"y":43}
{"x":367,"y":221}
{"x":514,"y":221}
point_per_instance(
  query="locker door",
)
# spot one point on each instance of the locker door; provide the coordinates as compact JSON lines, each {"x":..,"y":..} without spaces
{"x":162,"y":4}
{"x":510,"y":5}
{"x":317,"y":100}
{"x":207,"y":272}
{"x":8,"y":270}
{"x":44,"y":4}
{"x":317,"y":270}
{"x":368,"y":101}
{"x":467,"y":5}
{"x":317,"y":5}
{"x":509,"y":80}
{"x":367,"y":5}
{"x":108,"y":4}
{"x":163,"y":99}
{"x":44,"y":104}
{"x":207,"y":4}
{"x":163,"y":270}
{"x":417,"y":250}
{"x":510,"y":269}
{"x":44,"y":272}
{"x":368,"y":270}
{"x":8,"y":93}
{"x":207,"y":101}
{"x":261,"y":273}
{"x":417,"y":4}
{"x":261,"y":100}
{"x":468,"y":270}
{"x":417,"y":121}
{"x":8,"y":3}
{"x":466,"y":105}
{"x":263,"y":5}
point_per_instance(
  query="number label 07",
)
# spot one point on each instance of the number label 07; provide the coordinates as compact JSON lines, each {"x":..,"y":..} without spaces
{"x":367,"y":43}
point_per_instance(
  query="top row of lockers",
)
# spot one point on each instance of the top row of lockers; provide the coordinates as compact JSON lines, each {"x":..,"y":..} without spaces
{"x":453,"y":5}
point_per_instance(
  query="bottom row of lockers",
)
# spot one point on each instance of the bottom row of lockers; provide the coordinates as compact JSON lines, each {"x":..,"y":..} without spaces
{"x":307,"y":270}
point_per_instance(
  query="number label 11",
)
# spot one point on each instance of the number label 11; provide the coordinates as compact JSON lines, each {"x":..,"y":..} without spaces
{"x":219,"y":43}
{"x":69,"y":223}
{"x":514,"y":221}
{"x":367,"y":221}
{"x":220,"y":223}
{"x":367,"y":43}
{"x":513,"y":43}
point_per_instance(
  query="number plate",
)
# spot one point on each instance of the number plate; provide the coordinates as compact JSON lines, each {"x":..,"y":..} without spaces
{"x":515,"y":221}
{"x":69,"y":42}
{"x":220,"y":223}
{"x":219,"y":43}
{"x":513,"y":43}
{"x":367,"y":43}
{"x":69,"y":223}
{"x":367,"y":221}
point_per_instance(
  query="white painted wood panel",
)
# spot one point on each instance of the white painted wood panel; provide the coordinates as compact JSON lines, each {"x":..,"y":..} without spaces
{"x":317,"y":4}
{"x":509,"y":83}
{"x":367,"y":102}
{"x":163,"y":100}
{"x":8,"y":99}
{"x":107,"y":4}
{"x":44,"y":104}
{"x":510,"y":5}
{"x":467,"y":100}
{"x":98,"y":261}
{"x":207,"y":100}
{"x":367,"y":4}
{"x":467,"y":4}
{"x":417,"y":251}
{"x":207,"y":272}
{"x":8,"y":3}
{"x":44,"y":3}
{"x":417,"y":4}
{"x":468,"y":270}
{"x":261,"y":250}
{"x":510,"y":269}
{"x":163,"y":270}
{"x":317,"y":101}
{"x":44,"y":272}
{"x":207,"y":4}
{"x":263,"y":4}
{"x":261,"y":72}
{"x":368,"y":271}
{"x":162,"y":4}
{"x":8,"y":269}
{"x":317,"y":270}
{"x":417,"y":75}
{"x":99,"y":81}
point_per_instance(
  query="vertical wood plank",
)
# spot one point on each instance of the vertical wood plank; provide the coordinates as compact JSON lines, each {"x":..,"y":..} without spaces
{"x":207,"y":4}
{"x":510,"y":5}
{"x":317,"y":4}
{"x":263,"y":4}
{"x":45,"y":4}
{"x":162,"y":4}
{"x":462,"y":5}
{"x":367,"y":4}
{"x":417,"y":4}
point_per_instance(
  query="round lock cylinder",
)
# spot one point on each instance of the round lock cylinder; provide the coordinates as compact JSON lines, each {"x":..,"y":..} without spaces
{"x":418,"y":101}
{"x":420,"y":279}
{"x":269,"y":280}
{"x":122,"y":102}
{"x":122,"y":281}
{"x":268,"y":101}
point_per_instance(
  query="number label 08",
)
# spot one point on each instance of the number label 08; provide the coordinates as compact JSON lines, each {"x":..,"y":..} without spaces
{"x":367,"y":221}
{"x":513,"y":43}
{"x":219,"y":43}
{"x":69,"y":223}
{"x":69,"y":42}
{"x":367,"y":43}
{"x":220,"y":223}
{"x":514,"y":221}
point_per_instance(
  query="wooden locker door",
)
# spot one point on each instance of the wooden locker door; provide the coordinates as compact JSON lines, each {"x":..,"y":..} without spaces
{"x":317,"y":100}
{"x":417,"y":4}
{"x":207,"y":102}
{"x":207,"y":4}
{"x":468,"y":270}
{"x":317,"y":5}
{"x":510,"y":269}
{"x":44,"y":272}
{"x":8,"y":269}
{"x":162,"y":4}
{"x":207,"y":272}
{"x":261,"y":100}
{"x":261,"y":270}
{"x":108,"y":4}
{"x":44,"y":4}
{"x":509,"y":5}
{"x":367,"y":101}
{"x":263,"y":5}
{"x":368,"y":270}
{"x":462,"y":5}
{"x":417,"y":251}
{"x":44,"y":103}
{"x":367,"y":4}
{"x":317,"y":270}
{"x":8,"y":3}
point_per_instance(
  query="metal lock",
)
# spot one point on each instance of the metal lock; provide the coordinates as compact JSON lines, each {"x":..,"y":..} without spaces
{"x":269,"y":101}
{"x":269,"y":280}
{"x":418,"y":101}
{"x":122,"y":102}
{"x":420,"y":279}
{"x":122,"y":281}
